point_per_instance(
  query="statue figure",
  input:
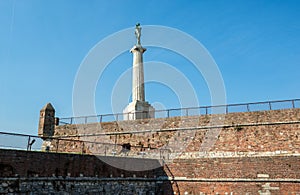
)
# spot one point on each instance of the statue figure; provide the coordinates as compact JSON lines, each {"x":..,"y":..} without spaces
{"x":138,"y":33}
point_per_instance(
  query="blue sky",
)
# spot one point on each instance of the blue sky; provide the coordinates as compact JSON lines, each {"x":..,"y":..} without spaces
{"x":42,"y":44}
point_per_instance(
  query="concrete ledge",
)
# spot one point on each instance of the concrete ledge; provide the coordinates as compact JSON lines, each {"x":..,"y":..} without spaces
{"x":289,"y":180}
{"x":189,"y":155}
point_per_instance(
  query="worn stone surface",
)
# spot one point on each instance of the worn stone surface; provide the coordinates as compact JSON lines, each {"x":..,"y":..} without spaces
{"x":46,"y":121}
{"x":40,"y":185}
{"x":261,"y":136}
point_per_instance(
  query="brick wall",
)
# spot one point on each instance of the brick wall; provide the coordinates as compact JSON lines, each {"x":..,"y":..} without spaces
{"x":44,"y":164}
{"x":247,"y":167}
{"x":21,"y":170}
{"x":253,"y":153}
{"x":252,"y":175}
{"x":243,"y":132}
{"x":41,"y":172}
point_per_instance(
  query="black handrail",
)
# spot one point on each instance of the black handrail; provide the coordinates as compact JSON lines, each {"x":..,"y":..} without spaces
{"x":29,"y":140}
{"x":167,"y":112}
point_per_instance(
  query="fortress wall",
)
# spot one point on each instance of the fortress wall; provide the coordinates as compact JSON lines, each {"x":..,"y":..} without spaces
{"x":247,"y":175}
{"x":48,"y":164}
{"x":244,"y":175}
{"x":74,"y":173}
{"x":25,"y":172}
{"x":258,"y":137}
{"x":253,"y":153}
{"x":247,"y":167}
{"x":181,"y":122}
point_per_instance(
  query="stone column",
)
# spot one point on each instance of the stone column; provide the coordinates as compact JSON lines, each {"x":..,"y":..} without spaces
{"x":138,"y":90}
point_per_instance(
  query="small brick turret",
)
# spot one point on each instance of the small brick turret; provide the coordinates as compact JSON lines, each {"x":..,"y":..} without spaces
{"x":47,"y":121}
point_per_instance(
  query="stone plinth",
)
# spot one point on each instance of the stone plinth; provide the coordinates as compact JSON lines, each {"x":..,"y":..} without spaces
{"x":138,"y":110}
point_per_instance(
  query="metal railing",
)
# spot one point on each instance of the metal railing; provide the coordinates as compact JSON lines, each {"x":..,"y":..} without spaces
{"x":19,"y":141}
{"x":190,"y":111}
{"x":16,"y":141}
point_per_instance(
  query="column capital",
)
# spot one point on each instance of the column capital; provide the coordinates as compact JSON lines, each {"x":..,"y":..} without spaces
{"x":138,"y":48}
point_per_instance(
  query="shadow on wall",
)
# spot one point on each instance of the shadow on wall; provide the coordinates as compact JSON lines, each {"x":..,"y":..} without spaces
{"x":73,"y":170}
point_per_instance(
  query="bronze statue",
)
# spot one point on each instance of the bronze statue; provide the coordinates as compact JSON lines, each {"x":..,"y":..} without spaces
{"x":138,"y":33}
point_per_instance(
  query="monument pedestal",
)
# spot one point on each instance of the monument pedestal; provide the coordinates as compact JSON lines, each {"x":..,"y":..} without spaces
{"x":138,"y":110}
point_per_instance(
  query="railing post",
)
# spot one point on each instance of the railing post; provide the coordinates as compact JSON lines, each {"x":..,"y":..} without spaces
{"x":28,"y":142}
{"x":168,"y":114}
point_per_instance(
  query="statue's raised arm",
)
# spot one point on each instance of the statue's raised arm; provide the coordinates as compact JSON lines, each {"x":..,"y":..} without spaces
{"x":138,"y":33}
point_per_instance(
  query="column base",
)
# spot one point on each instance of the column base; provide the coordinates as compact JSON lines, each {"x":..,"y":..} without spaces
{"x":138,"y":110}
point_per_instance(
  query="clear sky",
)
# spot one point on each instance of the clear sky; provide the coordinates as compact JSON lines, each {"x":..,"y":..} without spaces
{"x":42,"y":44}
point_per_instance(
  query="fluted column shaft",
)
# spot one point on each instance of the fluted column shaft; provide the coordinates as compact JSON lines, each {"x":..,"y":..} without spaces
{"x":138,"y":89}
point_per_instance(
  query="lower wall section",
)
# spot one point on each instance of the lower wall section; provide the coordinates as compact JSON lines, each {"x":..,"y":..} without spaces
{"x":271,"y":167}
{"x":144,"y":186}
{"x":29,"y":164}
{"x":269,"y":175}
{"x":23,"y":172}
{"x":81,"y":185}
